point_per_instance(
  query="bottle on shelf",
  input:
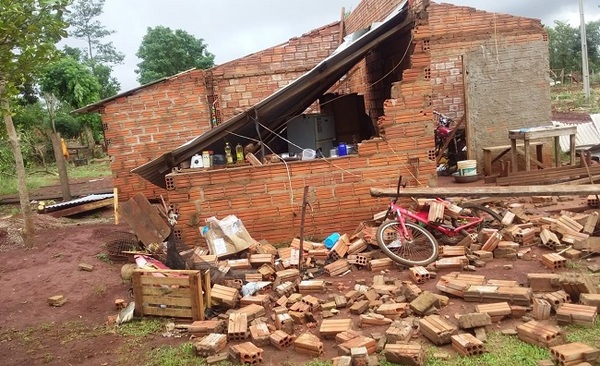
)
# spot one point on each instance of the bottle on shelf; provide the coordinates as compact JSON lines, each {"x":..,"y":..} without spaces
{"x":228,"y":155}
{"x":239,"y":153}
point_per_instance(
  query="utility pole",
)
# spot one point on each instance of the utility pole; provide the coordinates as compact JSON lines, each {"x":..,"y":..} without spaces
{"x":584,"y":53}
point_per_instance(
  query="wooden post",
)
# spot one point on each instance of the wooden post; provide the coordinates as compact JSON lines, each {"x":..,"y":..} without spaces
{"x":304,"y":203}
{"x":116,"y":204}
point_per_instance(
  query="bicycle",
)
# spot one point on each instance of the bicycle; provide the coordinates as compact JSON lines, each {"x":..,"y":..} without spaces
{"x":407,"y":238}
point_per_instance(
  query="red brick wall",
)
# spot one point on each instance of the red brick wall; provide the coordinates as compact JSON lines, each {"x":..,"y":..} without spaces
{"x":268,"y":198}
{"x":152,"y":121}
{"x":161,"y":117}
{"x":506,"y":59}
{"x":242,"y":83}
{"x":456,"y":31}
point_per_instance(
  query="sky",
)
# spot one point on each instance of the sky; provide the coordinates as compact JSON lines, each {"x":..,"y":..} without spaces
{"x":235,"y":28}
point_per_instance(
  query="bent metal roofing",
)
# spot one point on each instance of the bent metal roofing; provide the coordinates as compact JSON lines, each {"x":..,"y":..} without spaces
{"x":289,"y":101}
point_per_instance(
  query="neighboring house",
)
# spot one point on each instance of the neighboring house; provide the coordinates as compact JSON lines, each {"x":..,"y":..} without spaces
{"x":490,"y":68}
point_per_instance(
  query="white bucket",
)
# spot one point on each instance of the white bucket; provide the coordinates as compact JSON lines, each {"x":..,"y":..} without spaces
{"x":467,"y":167}
{"x":308,"y":154}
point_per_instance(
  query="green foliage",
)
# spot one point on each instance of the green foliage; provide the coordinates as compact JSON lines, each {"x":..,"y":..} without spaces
{"x":29,"y":30}
{"x":71,"y":82}
{"x":165,"y":52}
{"x":171,"y":356}
{"x":86,"y":27}
{"x":98,"y":56}
{"x":565,"y":46}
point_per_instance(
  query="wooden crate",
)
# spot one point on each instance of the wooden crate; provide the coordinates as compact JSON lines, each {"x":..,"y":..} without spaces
{"x":169,"y":293}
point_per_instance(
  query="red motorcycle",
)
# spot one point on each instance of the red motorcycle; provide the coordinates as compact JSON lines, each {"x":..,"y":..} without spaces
{"x":457,"y":147}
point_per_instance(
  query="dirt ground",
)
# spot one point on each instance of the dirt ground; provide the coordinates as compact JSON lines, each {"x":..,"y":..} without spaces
{"x":34,"y":333}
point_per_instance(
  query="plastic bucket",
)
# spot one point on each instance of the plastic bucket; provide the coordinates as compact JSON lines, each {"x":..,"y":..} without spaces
{"x":467,"y":167}
{"x":308,"y":154}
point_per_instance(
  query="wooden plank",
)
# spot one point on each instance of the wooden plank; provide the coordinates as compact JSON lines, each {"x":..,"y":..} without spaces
{"x":162,"y":291}
{"x":170,"y":281}
{"x":513,"y":191}
{"x":144,"y":219}
{"x":168,"y":312}
{"x":137,"y":293}
{"x":542,"y":176}
{"x":196,"y":299}
{"x":82,"y":208}
{"x":207,"y":289}
{"x":167,"y":300}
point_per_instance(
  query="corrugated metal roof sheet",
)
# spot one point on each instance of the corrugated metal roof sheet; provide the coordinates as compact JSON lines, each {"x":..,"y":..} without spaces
{"x":587,"y":133}
{"x":78,"y":201}
{"x":292,"y":100}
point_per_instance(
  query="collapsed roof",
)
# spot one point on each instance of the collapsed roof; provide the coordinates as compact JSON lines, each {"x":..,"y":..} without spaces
{"x":274,"y":111}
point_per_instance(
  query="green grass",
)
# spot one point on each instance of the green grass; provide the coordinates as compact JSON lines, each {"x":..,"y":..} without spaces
{"x":103,"y":257}
{"x":568,"y":98}
{"x":588,"y":335}
{"x":503,"y":351}
{"x":37,"y":179}
{"x":175,"y":356}
{"x":140,"y":327}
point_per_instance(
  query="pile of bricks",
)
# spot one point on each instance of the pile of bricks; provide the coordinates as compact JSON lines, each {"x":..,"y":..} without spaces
{"x":382,"y":317}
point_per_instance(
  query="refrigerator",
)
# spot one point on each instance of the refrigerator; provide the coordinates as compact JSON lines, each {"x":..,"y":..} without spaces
{"x":311,"y":131}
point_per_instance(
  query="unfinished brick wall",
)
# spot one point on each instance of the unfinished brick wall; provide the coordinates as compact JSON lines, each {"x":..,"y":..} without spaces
{"x":268,"y":198}
{"x":152,"y":121}
{"x":506,"y":58}
{"x":159,"y":118}
{"x":244,"y":82}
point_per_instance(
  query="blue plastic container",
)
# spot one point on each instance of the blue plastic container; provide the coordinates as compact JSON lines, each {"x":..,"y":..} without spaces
{"x":342,"y":149}
{"x":331,"y":240}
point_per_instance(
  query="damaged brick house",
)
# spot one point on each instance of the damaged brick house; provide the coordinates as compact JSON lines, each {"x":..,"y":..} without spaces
{"x":487,"y":67}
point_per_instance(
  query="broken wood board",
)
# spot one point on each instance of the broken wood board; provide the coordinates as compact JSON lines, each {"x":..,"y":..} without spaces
{"x":513,"y":191}
{"x":144,"y":219}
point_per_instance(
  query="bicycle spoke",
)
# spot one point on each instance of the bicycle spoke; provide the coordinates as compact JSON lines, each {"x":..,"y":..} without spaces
{"x":419,"y":249}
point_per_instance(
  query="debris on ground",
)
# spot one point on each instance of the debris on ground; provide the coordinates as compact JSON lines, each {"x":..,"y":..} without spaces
{"x":240,"y":295}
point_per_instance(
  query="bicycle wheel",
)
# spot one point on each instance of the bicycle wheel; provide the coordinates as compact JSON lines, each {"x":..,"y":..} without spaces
{"x":420,"y":251}
{"x":491,"y":219}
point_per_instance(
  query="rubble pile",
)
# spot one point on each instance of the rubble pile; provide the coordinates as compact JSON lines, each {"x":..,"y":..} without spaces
{"x":265,"y":296}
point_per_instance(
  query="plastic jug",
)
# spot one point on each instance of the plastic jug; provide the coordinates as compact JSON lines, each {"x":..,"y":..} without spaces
{"x":331,"y":240}
{"x":342,"y":149}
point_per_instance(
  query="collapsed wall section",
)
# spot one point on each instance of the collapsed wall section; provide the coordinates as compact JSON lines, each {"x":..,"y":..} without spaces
{"x":150,"y":122}
{"x":268,"y":198}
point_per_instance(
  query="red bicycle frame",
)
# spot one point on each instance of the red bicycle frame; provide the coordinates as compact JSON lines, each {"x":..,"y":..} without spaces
{"x":400,"y":213}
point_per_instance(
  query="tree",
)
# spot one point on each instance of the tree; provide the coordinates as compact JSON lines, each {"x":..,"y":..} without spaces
{"x":100,"y":56}
{"x":565,"y":49}
{"x":565,"y":46}
{"x":67,"y":80}
{"x":165,"y":52}
{"x":29,"y":29}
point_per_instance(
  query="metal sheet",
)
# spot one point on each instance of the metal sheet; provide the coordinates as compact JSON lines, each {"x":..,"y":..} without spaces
{"x":587,"y":134}
{"x":287,"y":102}
{"x":78,"y":201}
